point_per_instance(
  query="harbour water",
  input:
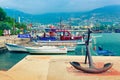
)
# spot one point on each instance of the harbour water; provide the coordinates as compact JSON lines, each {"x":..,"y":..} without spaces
{"x":8,"y":59}
{"x":109,"y":41}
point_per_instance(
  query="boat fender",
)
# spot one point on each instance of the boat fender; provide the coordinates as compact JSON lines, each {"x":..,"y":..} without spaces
{"x":94,"y":48}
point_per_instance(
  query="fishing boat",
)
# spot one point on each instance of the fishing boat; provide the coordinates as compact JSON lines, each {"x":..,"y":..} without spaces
{"x":15,"y":47}
{"x":60,"y":36}
{"x":46,"y":50}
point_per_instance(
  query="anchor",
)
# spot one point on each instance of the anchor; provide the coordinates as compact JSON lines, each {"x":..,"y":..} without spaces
{"x":91,"y":68}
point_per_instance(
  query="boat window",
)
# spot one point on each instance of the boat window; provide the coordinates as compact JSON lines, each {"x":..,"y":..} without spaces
{"x":59,"y":33}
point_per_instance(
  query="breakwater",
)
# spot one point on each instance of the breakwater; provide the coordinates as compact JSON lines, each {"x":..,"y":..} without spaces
{"x":11,"y":39}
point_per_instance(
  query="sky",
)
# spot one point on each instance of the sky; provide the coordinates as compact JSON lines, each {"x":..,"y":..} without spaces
{"x":50,"y":6}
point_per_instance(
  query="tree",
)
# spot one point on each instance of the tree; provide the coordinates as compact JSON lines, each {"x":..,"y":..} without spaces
{"x":9,"y":20}
{"x":20,"y":26}
{"x":2,"y":15}
{"x":7,"y":23}
{"x":4,"y":25}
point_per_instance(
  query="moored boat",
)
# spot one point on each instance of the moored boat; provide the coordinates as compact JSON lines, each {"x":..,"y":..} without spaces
{"x":15,"y":47}
{"x":102,"y":52}
{"x":60,"y":36}
{"x":105,"y":53}
{"x":60,"y":43}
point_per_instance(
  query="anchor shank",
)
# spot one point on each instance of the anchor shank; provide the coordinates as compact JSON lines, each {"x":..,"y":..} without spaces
{"x":86,"y":57}
{"x":90,"y":60}
{"x":88,"y":51}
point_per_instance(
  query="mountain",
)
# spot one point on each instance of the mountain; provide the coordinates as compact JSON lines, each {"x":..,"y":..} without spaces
{"x":48,"y":18}
{"x":103,"y":14}
{"x":107,"y":15}
{"x":51,"y":18}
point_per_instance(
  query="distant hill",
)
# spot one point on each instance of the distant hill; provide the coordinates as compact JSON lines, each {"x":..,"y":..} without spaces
{"x":52,"y":18}
{"x":107,"y":15}
{"x":113,"y":9}
{"x":15,"y":14}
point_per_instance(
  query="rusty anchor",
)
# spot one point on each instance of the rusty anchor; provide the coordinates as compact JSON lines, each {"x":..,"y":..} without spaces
{"x":91,"y":68}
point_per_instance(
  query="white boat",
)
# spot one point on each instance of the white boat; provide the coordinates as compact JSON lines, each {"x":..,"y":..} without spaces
{"x":15,"y":47}
{"x":46,"y":49}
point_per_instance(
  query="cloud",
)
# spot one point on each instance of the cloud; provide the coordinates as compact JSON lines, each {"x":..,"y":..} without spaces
{"x":47,"y":6}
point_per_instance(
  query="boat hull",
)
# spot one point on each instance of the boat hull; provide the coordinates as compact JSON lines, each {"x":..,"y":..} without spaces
{"x":60,"y":43}
{"x":46,"y":50}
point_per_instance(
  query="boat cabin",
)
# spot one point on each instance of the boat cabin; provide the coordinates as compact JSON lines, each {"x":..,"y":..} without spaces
{"x":66,"y":35}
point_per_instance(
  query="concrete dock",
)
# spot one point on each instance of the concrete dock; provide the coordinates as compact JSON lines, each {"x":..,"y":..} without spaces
{"x":57,"y":67}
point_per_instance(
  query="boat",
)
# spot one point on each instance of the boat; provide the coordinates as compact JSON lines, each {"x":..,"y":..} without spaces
{"x":103,"y":52}
{"x":60,"y":36}
{"x":15,"y":47}
{"x":59,"y":42}
{"x":46,"y":50}
{"x":24,"y":36}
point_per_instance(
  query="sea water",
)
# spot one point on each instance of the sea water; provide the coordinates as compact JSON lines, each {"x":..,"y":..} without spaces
{"x":109,"y":41}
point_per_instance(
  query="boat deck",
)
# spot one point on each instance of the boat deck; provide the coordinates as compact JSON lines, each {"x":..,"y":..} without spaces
{"x":52,"y":67}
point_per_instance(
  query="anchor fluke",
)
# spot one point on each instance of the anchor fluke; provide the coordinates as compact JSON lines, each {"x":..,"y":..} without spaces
{"x":91,"y":70}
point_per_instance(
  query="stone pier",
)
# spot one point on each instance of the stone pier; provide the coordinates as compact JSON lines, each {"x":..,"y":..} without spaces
{"x":52,"y":67}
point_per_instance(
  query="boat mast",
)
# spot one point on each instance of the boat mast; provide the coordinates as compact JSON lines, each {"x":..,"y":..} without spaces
{"x":60,"y":22}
